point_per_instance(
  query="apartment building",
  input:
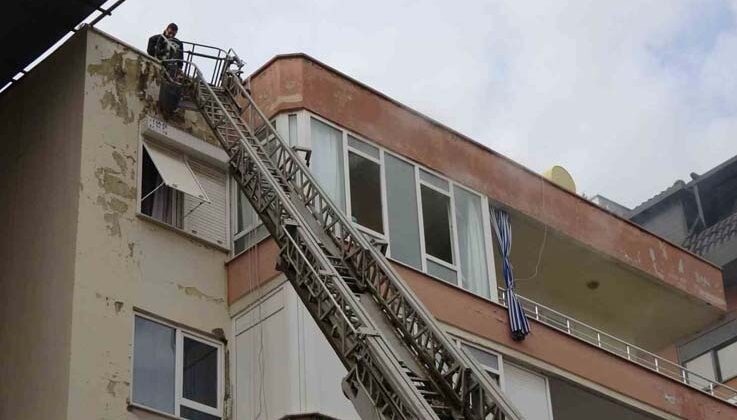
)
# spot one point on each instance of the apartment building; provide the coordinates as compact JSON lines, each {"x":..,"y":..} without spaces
{"x":700,"y":216}
{"x":138,"y":283}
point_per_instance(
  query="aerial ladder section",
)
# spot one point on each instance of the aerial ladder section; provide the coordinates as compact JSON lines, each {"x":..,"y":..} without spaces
{"x":400,"y":363}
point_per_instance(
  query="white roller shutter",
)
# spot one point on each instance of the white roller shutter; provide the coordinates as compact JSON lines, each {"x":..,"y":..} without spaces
{"x":207,"y":220}
{"x":528,"y":392}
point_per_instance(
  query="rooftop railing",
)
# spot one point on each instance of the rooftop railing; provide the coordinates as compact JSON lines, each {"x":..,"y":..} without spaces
{"x":622,"y":349}
{"x":212,"y":61}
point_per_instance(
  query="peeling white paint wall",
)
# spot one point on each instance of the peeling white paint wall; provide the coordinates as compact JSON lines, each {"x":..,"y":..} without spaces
{"x":124,"y":261}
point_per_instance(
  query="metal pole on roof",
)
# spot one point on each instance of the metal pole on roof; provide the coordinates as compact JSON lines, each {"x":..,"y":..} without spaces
{"x":106,"y":12}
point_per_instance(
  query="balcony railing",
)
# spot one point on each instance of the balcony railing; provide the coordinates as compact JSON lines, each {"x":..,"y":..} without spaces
{"x":620,"y":348}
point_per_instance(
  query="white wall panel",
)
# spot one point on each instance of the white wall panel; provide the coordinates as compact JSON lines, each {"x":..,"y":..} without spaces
{"x":528,"y":392}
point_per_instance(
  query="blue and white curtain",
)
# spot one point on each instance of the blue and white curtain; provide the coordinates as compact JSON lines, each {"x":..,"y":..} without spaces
{"x":503,"y":230}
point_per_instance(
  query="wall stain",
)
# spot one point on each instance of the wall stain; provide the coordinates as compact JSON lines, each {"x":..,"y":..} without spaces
{"x":194,"y":123}
{"x":113,"y":224}
{"x":670,"y":398}
{"x":114,"y":208}
{"x":116,"y":193}
{"x":342,"y":98}
{"x":195,"y":292}
{"x":120,"y":160}
{"x":108,"y":180}
{"x":140,"y":77}
{"x":701,"y":280}
{"x":118,"y":304}
{"x":113,"y":384}
{"x":127,"y":76}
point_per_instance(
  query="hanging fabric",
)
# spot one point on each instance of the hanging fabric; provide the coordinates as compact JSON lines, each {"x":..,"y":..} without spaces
{"x":503,"y":230}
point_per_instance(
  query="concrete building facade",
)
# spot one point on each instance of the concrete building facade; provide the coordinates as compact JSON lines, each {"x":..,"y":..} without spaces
{"x":701,"y":216}
{"x":137,"y":283}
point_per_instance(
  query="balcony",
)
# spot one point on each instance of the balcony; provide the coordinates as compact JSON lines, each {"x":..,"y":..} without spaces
{"x":623,"y":349}
{"x":650,"y":311}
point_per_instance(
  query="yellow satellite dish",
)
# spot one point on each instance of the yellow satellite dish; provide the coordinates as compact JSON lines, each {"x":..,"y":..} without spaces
{"x":559,"y":176}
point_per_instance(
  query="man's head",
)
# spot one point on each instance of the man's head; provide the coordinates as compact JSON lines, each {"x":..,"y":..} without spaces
{"x":171,"y":30}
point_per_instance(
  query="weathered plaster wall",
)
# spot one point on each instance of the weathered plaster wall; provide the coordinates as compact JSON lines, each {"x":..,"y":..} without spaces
{"x":297,"y":81}
{"x":123,"y":261}
{"x":40,"y":131}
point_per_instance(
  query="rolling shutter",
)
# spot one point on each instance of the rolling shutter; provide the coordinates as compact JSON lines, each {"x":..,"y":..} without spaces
{"x":207,"y":220}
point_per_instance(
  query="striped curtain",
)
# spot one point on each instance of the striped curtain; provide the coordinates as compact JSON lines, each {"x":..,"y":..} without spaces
{"x":517,"y":319}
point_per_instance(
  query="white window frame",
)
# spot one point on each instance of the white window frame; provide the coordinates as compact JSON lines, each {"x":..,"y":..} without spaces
{"x":453,"y":236}
{"x":502,"y":376}
{"x":304,"y":139}
{"x":179,"y":400}
{"x":382,"y":184}
{"x":157,"y":133}
{"x":499,"y":372}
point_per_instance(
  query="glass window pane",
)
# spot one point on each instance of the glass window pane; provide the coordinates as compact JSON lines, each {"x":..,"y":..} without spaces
{"x":327,"y":160}
{"x":727,"y":358}
{"x":703,"y":366}
{"x":434,"y":180}
{"x":436,"y":224}
{"x":471,"y":242}
{"x":191,"y":414}
{"x":246,"y":217}
{"x":487,"y":360}
{"x":292,"y":130}
{"x":200,"y":372}
{"x":404,"y":225}
{"x":365,"y":182}
{"x":250,"y":239}
{"x":363,"y":147}
{"x":153,"y":365}
{"x":442,"y":272}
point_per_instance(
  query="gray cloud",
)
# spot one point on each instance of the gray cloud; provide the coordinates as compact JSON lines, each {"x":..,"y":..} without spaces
{"x":627,"y":95}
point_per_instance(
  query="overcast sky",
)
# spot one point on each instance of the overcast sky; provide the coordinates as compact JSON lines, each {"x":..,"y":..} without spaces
{"x":628,"y":95}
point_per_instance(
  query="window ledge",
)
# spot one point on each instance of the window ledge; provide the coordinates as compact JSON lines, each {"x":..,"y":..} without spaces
{"x":134,"y":406}
{"x":182,"y":232}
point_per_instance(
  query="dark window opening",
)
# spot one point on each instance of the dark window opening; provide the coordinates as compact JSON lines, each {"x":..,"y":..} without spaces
{"x":436,"y":224}
{"x":365,"y":183}
{"x":158,"y":200}
{"x":200,"y":377}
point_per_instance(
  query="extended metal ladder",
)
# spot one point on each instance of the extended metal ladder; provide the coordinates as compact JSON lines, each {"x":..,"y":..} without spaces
{"x":401,"y":365}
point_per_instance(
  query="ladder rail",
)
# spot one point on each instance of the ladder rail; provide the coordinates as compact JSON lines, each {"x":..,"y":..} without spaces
{"x":454,"y":371}
{"x":376,"y":362}
{"x":378,"y":373}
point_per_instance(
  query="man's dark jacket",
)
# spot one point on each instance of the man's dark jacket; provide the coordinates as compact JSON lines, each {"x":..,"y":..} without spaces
{"x":165,"y":49}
